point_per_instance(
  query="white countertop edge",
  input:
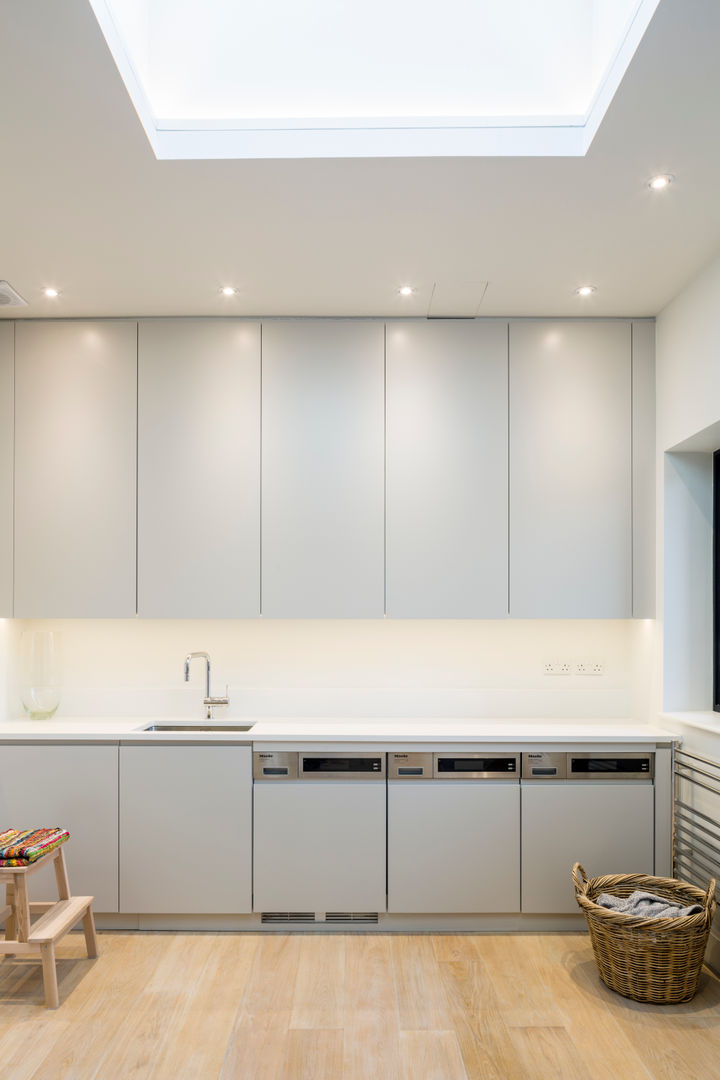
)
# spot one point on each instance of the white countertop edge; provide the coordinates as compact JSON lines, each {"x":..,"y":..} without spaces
{"x":702,"y":720}
{"x":309,"y":730}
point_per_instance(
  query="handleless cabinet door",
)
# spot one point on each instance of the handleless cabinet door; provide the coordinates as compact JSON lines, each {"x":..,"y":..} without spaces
{"x":185,"y":829}
{"x":319,"y":845}
{"x":7,"y":433}
{"x":447,"y":469}
{"x":607,"y":827}
{"x":75,"y":467}
{"x":570,"y":470}
{"x":323,"y":469}
{"x":198,"y":468}
{"x":453,"y":847}
{"x":75,"y":787}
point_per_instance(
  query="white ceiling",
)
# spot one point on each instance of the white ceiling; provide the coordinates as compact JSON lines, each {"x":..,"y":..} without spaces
{"x":86,"y":207}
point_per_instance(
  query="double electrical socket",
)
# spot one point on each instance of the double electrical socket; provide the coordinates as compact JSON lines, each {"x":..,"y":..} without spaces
{"x":579,"y":667}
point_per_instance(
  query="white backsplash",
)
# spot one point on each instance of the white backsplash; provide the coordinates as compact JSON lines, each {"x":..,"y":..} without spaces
{"x":325,"y":668}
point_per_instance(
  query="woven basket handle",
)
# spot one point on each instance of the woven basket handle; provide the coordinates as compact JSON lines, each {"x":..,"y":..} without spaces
{"x":580,"y":879}
{"x":710,"y":894}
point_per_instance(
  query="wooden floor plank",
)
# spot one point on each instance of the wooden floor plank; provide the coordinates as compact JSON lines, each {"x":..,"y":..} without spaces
{"x":371,"y":1014}
{"x":319,"y":1000}
{"x":431,"y":1055}
{"x":257,"y":1043}
{"x":422,"y":1004}
{"x":477,"y":1020}
{"x":313,"y":1055}
{"x":547,"y":1052}
{"x":198,"y":1042}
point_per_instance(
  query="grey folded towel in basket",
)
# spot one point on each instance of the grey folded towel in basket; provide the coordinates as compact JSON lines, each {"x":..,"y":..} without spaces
{"x":645,"y":905}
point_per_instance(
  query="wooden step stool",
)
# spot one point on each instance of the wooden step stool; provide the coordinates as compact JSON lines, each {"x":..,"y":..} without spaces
{"x":23,"y":938}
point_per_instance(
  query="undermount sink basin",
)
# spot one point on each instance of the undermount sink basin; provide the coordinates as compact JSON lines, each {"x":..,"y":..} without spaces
{"x":198,"y":727}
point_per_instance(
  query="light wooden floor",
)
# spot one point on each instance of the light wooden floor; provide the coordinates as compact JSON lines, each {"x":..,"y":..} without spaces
{"x":381,"y":1007}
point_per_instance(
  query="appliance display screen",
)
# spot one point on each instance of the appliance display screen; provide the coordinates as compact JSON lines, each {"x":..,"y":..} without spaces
{"x":612,"y":765}
{"x":461,"y":765}
{"x":341,"y":764}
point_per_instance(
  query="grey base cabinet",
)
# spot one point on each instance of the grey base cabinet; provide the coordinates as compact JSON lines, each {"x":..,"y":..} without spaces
{"x":185,"y":829}
{"x":75,"y":787}
{"x":607,"y":827}
{"x":319,"y":847}
{"x":453,"y":848}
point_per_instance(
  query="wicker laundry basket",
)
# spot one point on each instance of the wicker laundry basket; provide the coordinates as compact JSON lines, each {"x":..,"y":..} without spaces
{"x":654,"y":960}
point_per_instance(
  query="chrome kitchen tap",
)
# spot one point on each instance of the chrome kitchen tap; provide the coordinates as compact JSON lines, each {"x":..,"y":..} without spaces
{"x":208,"y":701}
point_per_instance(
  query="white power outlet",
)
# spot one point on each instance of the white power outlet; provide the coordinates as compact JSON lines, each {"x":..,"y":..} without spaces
{"x":589,"y":667}
{"x":557,"y":667}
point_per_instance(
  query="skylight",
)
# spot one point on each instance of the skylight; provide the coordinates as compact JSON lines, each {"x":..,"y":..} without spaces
{"x":335,"y":78}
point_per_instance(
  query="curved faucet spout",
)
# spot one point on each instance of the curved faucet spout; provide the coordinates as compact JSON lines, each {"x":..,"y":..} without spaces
{"x":208,"y":701}
{"x":199,"y":656}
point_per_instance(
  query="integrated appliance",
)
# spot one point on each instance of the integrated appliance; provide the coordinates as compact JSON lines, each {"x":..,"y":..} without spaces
{"x":467,"y":831}
{"x":593,"y":807}
{"x":319,"y":835}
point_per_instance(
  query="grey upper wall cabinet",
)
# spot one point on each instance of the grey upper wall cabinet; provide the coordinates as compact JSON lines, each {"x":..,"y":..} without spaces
{"x":7,"y":330}
{"x":198,"y":468}
{"x":75,"y":466}
{"x":323,"y":469}
{"x":570,"y":470}
{"x":447,"y":429}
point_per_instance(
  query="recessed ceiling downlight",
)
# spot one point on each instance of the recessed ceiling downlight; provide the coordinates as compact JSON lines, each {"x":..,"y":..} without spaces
{"x":586,"y":290}
{"x":660,"y":182}
{"x":51,"y":292}
{"x":228,"y":290}
{"x":406,"y":290}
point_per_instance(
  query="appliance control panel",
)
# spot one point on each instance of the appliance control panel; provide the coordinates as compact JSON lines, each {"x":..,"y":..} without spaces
{"x":410,"y":766}
{"x":544,"y":765}
{"x":275,"y":765}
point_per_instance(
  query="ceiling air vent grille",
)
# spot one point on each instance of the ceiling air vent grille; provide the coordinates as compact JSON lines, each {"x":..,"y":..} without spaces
{"x":8,"y":296}
{"x":288,"y":916}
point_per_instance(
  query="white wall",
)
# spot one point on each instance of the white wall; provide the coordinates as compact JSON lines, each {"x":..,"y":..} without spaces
{"x":341,"y":668}
{"x":688,"y":424}
{"x":688,"y":360}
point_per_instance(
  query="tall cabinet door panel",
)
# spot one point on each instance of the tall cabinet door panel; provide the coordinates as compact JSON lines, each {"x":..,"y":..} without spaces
{"x":185,"y":830}
{"x":447,"y":469}
{"x":570,"y":470}
{"x":198,"y":468}
{"x":323,"y":469}
{"x":75,"y":468}
{"x":7,"y":433}
{"x":75,"y":787}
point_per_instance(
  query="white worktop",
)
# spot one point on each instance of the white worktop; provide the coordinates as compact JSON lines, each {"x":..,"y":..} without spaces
{"x":300,"y":730}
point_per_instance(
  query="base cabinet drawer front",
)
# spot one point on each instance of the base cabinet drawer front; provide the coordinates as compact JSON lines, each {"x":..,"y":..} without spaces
{"x":607,"y":827}
{"x":319,"y":846}
{"x":453,"y":848}
{"x":75,"y":787}
{"x":185,"y":829}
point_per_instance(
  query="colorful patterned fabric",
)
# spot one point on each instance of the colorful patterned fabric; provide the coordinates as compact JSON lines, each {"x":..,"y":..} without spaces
{"x":20,"y":847}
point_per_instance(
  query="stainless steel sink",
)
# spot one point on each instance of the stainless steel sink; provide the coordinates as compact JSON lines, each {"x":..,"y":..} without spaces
{"x":198,"y":727}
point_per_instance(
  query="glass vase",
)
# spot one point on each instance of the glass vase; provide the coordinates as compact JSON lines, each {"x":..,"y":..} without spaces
{"x":40,"y":673}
